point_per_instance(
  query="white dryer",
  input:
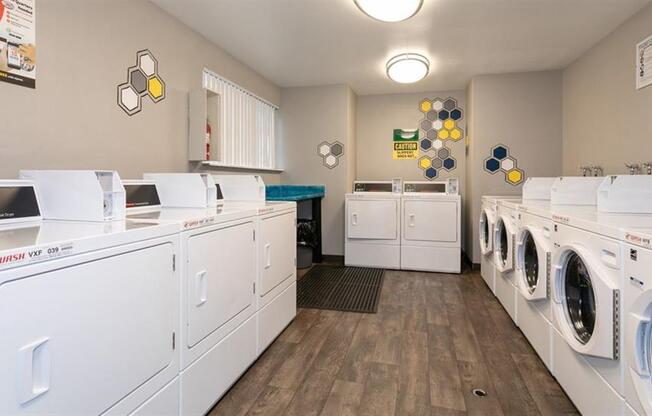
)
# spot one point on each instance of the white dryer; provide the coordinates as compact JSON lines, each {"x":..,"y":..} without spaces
{"x":431,"y":226}
{"x":85,"y":306}
{"x":587,"y":286}
{"x":276,"y":248}
{"x":373,"y":225}
{"x":488,"y":214}
{"x":505,"y":232}
{"x":218,"y":275}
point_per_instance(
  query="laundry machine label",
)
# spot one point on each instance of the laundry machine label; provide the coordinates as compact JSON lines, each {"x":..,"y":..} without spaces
{"x":639,"y":240}
{"x":202,"y":222}
{"x":35,"y":255}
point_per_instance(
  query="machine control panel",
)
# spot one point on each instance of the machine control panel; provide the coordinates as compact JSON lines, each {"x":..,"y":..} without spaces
{"x":141,"y":194}
{"x":372,"y":186}
{"x":18,"y":201}
{"x":446,"y":187}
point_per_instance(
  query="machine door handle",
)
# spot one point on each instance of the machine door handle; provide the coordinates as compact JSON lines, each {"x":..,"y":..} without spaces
{"x":411,"y":220}
{"x":268,"y":255}
{"x":637,"y":343}
{"x":202,"y":288}
{"x":33,"y":370}
{"x":354,"y":219}
{"x":609,"y":258}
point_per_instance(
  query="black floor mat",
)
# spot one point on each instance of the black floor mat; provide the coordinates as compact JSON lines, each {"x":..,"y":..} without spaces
{"x":341,"y":288}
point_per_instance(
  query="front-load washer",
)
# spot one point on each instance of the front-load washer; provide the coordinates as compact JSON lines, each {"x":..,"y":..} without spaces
{"x":588,"y":293}
{"x":504,"y":255}
{"x":276,"y":277}
{"x":533,"y":257}
{"x":431,"y":226}
{"x":637,"y":309}
{"x":89,"y":310}
{"x":373,"y":225}
{"x":487,"y":224}
{"x":218,"y":275}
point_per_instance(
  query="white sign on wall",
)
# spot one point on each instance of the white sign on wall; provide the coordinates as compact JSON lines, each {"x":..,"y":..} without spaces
{"x":644,"y":63}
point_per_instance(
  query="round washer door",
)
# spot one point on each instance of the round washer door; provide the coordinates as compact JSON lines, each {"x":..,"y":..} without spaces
{"x":486,"y":239}
{"x":585,"y":303}
{"x":503,"y":245}
{"x":532,"y":264}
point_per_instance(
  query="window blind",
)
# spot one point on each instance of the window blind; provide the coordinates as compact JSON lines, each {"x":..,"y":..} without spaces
{"x":245,"y":129}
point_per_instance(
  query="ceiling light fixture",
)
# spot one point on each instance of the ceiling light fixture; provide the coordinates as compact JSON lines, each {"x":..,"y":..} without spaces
{"x":408,"y":68}
{"x":389,"y":10}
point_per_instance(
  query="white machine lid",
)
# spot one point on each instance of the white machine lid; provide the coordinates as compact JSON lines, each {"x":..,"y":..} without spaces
{"x":606,"y":224}
{"x":626,"y":194}
{"x":264,"y":207}
{"x":575,"y":190}
{"x":537,"y":189}
{"x":28,"y":243}
{"x":190,"y":218}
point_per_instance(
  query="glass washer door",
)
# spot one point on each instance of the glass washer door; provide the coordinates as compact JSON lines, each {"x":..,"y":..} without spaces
{"x":485,"y":238}
{"x":504,"y":245}
{"x":579,"y":297}
{"x":530,"y":262}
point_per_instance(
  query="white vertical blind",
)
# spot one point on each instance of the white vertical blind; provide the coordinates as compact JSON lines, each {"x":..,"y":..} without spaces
{"x":245,"y":129}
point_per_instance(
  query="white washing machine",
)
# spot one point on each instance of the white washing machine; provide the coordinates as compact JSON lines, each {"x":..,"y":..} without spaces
{"x":373,"y":225}
{"x":488,"y":214}
{"x":587,"y":287}
{"x":505,"y":232}
{"x":276,"y":248}
{"x":637,"y":309}
{"x":533,"y":258}
{"x":89,"y":311}
{"x":431,"y":226}
{"x":218,"y":275}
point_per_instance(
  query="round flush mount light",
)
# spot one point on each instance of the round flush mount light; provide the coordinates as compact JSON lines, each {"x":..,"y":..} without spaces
{"x":389,"y":10}
{"x":408,"y":68}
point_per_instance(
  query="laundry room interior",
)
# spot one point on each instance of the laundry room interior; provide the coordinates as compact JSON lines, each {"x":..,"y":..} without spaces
{"x":326,"y":207}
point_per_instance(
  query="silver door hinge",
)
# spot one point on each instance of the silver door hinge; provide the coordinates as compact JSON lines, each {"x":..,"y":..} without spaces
{"x":616,"y":324}
{"x":174,"y":340}
{"x":174,"y":262}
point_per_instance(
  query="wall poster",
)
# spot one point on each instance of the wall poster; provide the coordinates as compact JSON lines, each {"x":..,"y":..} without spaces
{"x":18,"y":42}
{"x":406,"y":144}
{"x":644,"y":63}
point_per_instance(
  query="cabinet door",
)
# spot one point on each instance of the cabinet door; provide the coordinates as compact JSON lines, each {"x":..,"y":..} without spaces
{"x":220,"y":278}
{"x":278,"y":250}
{"x":77,"y":340}
{"x":372,"y":219}
{"x":430,"y":221}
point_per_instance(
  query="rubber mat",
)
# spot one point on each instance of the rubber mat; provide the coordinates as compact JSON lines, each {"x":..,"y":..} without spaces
{"x":341,"y":288}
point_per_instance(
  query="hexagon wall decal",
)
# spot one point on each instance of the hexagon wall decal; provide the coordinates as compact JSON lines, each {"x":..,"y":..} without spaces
{"x":143,"y":80}
{"x":330,"y":153}
{"x":501,"y":160}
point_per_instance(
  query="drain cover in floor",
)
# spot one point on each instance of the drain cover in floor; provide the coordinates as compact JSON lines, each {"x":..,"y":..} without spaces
{"x":341,"y":288}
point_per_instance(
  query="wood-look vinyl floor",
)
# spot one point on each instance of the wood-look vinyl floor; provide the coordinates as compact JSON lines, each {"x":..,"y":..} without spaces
{"x":434,"y":339}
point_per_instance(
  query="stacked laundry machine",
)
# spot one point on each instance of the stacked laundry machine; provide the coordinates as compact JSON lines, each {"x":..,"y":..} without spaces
{"x":140,"y":297}
{"x":406,"y":226}
{"x":581,"y":273}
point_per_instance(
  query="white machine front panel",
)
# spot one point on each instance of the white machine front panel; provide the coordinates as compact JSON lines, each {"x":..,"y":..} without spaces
{"x":429,"y":220}
{"x":372,"y":219}
{"x":278,"y":251}
{"x":89,"y":334}
{"x":220,"y":277}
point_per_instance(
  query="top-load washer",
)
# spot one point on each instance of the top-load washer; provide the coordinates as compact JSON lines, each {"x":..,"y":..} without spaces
{"x":276,"y":248}
{"x":488,"y":214}
{"x":373,"y":225}
{"x":431,"y":226}
{"x":89,"y":310}
{"x":534,"y":248}
{"x":587,"y":289}
{"x":218,"y":276}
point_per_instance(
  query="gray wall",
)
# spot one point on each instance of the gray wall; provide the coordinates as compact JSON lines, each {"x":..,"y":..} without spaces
{"x":379,"y":115}
{"x":522,"y":111}
{"x":606,"y":120}
{"x":309,"y":116}
{"x":72,"y":120}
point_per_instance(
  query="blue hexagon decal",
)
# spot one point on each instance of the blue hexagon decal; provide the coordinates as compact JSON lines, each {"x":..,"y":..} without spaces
{"x":499,"y":152}
{"x":492,"y":165}
{"x":426,"y":144}
{"x":431,"y":173}
{"x":443,"y":115}
{"x":456,"y":114}
{"x":449,"y":164}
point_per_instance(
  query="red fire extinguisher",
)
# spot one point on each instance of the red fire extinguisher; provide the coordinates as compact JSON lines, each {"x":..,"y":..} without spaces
{"x":208,"y":140}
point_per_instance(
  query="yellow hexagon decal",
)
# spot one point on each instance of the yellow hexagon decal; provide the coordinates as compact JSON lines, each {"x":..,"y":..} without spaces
{"x":443,"y":134}
{"x":425,"y":106}
{"x":515,"y":176}
{"x":155,"y":87}
{"x":425,"y":163}
{"x":449,"y":124}
{"x":456,"y":134}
